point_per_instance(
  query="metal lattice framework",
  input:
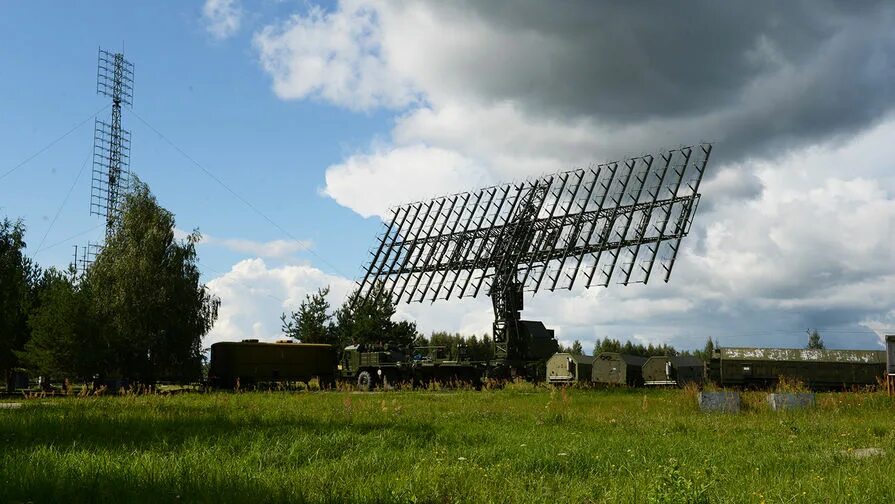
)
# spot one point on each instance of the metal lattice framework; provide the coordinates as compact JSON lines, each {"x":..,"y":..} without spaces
{"x":84,"y":257}
{"x":111,"y":144}
{"x":571,"y":228}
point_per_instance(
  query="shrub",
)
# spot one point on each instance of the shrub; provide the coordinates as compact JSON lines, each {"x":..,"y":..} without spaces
{"x":675,"y":487}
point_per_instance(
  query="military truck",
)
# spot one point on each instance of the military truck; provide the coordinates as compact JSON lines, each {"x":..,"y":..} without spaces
{"x":385,"y":366}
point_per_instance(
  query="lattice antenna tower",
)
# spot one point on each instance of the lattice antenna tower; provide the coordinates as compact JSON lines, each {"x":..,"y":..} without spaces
{"x":111,"y":143}
{"x":624,"y":218}
{"x":111,"y":150}
{"x":84,"y":257}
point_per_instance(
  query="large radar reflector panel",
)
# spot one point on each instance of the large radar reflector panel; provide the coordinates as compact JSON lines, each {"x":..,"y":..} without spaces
{"x":621,"y":221}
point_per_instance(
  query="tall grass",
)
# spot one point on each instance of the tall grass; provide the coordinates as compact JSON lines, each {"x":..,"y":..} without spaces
{"x":513,"y":444}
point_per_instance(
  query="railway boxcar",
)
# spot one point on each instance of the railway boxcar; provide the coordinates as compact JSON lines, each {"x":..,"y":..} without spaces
{"x":819,"y":369}
{"x":677,"y":370}
{"x":569,"y":368}
{"x":252,"y":362}
{"x":618,"y":369}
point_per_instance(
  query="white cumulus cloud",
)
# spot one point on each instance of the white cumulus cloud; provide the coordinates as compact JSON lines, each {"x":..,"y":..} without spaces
{"x":222,"y":17}
{"x":335,"y":56}
{"x":371,"y":183}
{"x":254,"y":295}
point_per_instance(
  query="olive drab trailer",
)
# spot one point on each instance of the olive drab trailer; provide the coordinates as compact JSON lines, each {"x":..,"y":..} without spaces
{"x":569,"y":368}
{"x":618,"y":369}
{"x":251,"y":362}
{"x":819,"y":369}
{"x":673,"y":370}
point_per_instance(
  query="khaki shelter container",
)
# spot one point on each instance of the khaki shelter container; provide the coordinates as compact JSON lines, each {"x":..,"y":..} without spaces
{"x":677,"y":370}
{"x":618,"y":369}
{"x":569,"y":368}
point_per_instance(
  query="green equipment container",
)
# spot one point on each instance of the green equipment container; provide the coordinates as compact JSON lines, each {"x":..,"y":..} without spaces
{"x":251,"y":362}
{"x":569,"y":368}
{"x":618,"y":369}
{"x":676,"y":370}
{"x":819,"y":369}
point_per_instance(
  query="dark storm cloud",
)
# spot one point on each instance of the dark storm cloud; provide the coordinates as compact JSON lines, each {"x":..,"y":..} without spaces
{"x":758,"y":75}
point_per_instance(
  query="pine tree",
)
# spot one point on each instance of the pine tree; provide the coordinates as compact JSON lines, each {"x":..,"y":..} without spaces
{"x":815,"y":342}
{"x":312,"y":322}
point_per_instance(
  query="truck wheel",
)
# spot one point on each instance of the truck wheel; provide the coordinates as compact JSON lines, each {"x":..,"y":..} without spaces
{"x":365,"y":381}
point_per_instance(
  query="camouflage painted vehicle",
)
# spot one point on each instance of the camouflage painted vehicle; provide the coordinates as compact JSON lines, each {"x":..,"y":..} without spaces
{"x":818,"y":369}
{"x":569,"y":368}
{"x":673,"y":370}
{"x":250,"y":362}
{"x":384,"y":366}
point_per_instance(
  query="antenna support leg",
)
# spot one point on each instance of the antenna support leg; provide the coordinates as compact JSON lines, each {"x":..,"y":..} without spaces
{"x":506,"y":297}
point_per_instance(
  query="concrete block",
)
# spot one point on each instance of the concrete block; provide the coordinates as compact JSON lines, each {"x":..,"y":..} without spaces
{"x":790,"y":400}
{"x":728,"y":402}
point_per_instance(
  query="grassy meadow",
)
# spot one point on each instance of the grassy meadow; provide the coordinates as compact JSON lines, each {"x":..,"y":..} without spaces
{"x":519,"y":444}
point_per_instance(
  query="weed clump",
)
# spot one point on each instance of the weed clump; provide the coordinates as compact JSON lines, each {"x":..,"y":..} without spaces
{"x":790,"y":385}
{"x":674,"y":486}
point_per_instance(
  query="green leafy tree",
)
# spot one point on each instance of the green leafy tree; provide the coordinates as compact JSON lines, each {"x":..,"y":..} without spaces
{"x":576,"y":349}
{"x":815,"y":342}
{"x":17,"y":277}
{"x":369,"y":320}
{"x":147,"y":296}
{"x":312,"y":322}
{"x":62,"y":329}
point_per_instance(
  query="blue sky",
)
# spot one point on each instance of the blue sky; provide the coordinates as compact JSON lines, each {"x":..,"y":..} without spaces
{"x":323,"y":114}
{"x":209,"y":97}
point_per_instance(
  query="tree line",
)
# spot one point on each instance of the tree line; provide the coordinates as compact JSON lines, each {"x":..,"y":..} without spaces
{"x":639,"y":349}
{"x":137,"y":314}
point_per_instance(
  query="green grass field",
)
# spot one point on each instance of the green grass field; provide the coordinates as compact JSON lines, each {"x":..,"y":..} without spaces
{"x":521,"y":444}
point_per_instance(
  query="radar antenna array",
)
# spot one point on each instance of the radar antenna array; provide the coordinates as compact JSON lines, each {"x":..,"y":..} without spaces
{"x":111,"y":143}
{"x":111,"y":149}
{"x":580,"y":226}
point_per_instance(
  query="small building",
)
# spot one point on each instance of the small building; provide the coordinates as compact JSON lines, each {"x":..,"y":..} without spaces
{"x":677,"y":370}
{"x":619,"y":369}
{"x":569,"y":368}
